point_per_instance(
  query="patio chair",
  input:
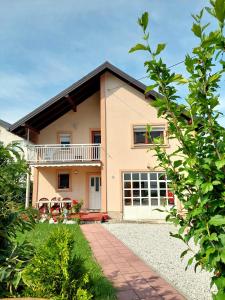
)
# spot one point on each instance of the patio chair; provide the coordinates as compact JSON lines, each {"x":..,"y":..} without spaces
{"x":54,"y":199}
{"x":66,"y":199}
{"x":42,"y":201}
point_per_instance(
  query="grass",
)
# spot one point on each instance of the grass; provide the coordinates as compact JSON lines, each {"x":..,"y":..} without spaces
{"x":102,"y":287}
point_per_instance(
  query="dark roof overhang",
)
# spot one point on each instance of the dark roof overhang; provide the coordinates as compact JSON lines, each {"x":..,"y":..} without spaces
{"x":71,"y":97}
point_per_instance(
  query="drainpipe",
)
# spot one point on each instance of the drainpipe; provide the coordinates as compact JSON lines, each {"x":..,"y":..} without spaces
{"x":28,"y":174}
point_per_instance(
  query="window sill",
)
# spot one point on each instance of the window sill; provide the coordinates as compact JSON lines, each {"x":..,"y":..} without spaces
{"x":147,"y":146}
{"x":64,"y":190}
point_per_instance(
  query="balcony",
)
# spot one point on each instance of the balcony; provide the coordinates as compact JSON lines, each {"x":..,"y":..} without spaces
{"x":72,"y":153}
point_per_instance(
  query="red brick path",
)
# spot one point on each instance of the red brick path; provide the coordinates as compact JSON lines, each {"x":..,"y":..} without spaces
{"x":133,"y":279}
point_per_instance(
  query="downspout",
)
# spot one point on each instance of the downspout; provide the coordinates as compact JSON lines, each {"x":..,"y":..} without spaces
{"x":27,"y":200}
{"x":106,"y":157}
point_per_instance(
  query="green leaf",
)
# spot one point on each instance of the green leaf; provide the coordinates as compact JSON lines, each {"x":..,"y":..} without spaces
{"x":222,"y":256}
{"x":160,"y":48}
{"x":160,"y":210}
{"x":220,"y":10}
{"x":16,"y":279}
{"x":210,"y":11}
{"x":177,"y":236}
{"x":222,"y":238}
{"x":150,"y":88}
{"x":217,"y":220}
{"x":214,"y":77}
{"x":139,"y":47}
{"x":143,"y":21}
{"x":197,"y":30}
{"x":219,"y":296}
{"x":220,"y":163}
{"x":179,"y":79}
{"x":216,"y":182}
{"x":206,"y":187}
{"x":213,"y":237}
{"x":198,"y":264}
{"x":177,"y":163}
{"x":184,"y":253}
{"x":220,"y":282}
{"x":190,"y":261}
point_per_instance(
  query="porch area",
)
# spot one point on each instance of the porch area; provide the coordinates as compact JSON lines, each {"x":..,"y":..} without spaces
{"x":60,"y":188}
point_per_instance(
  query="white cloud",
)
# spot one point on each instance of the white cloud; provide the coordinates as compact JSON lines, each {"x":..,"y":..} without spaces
{"x":49,"y":44}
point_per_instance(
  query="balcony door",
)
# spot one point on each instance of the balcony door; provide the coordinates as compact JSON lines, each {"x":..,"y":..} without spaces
{"x":95,"y":192}
{"x":96,"y":137}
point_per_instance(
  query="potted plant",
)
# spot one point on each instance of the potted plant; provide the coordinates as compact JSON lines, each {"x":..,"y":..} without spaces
{"x":76,"y":206}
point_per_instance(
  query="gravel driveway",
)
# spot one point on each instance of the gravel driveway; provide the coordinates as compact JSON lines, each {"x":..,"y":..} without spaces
{"x":152,"y":243}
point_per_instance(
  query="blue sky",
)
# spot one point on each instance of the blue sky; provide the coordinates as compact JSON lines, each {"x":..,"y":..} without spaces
{"x":46,"y":45}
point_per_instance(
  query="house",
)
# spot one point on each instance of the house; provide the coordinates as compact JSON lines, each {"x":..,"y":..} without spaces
{"x":7,"y":137}
{"x":90,"y":144}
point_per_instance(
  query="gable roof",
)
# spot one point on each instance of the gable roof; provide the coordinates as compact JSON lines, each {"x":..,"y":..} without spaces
{"x":77,"y":92}
{"x":5,"y":124}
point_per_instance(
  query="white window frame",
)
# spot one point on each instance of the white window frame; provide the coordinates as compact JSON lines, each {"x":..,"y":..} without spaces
{"x":144,"y":129}
{"x":64,"y":135}
{"x":148,"y":188}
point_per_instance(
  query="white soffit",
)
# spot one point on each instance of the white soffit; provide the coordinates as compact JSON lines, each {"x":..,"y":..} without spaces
{"x":97,"y":164}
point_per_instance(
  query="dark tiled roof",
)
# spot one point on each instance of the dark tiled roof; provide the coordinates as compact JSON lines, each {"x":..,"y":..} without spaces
{"x":78,"y":92}
{"x":4,"y":124}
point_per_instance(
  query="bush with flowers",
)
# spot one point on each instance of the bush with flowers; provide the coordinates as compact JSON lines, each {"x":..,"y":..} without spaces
{"x":76,"y":206}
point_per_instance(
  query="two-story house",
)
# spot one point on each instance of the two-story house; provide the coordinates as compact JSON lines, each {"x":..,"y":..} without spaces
{"x":90,"y":144}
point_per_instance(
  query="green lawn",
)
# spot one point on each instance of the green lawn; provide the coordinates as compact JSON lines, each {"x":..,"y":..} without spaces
{"x":102,"y":288}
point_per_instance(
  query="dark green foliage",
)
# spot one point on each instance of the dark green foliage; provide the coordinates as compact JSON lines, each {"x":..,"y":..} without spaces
{"x":13,"y":256}
{"x":13,"y":169}
{"x":197,"y":167}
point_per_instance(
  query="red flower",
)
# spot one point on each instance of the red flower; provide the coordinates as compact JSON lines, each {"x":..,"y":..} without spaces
{"x":170,"y":195}
{"x":74,"y":202}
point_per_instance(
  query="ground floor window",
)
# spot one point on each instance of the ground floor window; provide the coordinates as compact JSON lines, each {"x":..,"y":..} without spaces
{"x":63,"y":180}
{"x":146,"y":189}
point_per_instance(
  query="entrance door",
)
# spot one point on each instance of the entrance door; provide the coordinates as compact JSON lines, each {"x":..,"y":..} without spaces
{"x":95,"y":192}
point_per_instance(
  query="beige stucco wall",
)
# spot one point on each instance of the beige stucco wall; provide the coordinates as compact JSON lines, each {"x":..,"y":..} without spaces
{"x":78,"y":123}
{"x":7,"y":137}
{"x":48,"y":178}
{"x":125,"y":107}
{"x":121,"y":107}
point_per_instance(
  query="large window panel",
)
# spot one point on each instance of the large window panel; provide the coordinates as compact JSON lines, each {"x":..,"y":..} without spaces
{"x":146,"y":189}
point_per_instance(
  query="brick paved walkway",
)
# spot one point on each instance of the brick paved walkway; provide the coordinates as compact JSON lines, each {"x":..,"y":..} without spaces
{"x":133,"y":279}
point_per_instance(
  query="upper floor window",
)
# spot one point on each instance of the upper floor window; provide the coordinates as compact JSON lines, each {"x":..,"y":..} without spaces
{"x":96,"y":137}
{"x":65,"y":138}
{"x":142,"y":136}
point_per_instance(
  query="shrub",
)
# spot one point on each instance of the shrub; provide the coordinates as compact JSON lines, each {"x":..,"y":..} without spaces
{"x":76,"y":206}
{"x":55,"y":272}
{"x":197,"y":167}
{"x":13,"y":256}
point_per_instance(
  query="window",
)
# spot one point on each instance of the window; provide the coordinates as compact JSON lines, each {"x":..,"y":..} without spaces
{"x":65,"y":138}
{"x":63,"y":181}
{"x":142,"y":136}
{"x":146,"y":189}
{"x":96,"y":137}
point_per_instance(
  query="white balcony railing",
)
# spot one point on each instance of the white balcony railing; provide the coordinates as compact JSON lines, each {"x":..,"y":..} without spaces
{"x":63,"y":153}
